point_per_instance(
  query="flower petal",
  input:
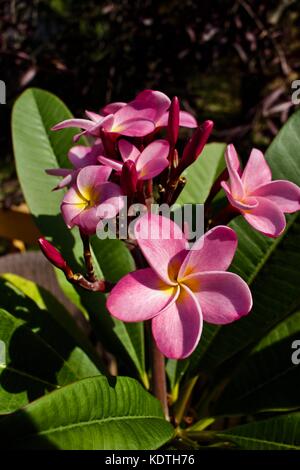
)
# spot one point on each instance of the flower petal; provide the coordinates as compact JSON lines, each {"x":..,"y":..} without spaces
{"x":284,"y":194}
{"x":185,"y":120}
{"x":149,"y":104}
{"x":224,"y":297}
{"x":139,"y":296}
{"x":90,"y":177}
{"x":109,"y":162}
{"x":163,"y":245}
{"x":111,"y":200}
{"x":58,"y":171}
{"x":153,"y":160}
{"x":128,"y":151}
{"x":81,"y":123}
{"x":112,"y":108}
{"x":70,"y":212}
{"x":213,"y":251}
{"x":133,"y":127}
{"x":177,"y":329}
{"x":266,"y":218}
{"x":233,"y":166}
{"x":247,"y":203}
{"x":256,"y":172}
{"x":87,"y":220}
{"x":81,"y":156}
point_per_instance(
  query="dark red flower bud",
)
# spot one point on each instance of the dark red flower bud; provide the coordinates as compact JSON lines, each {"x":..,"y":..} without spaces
{"x":173,"y":122}
{"x":195,"y":146}
{"x":52,"y":254}
{"x":129,"y":178}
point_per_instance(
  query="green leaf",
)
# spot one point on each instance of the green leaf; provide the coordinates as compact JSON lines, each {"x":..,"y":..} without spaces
{"x":265,"y":380}
{"x":279,"y":433}
{"x":202,"y":174}
{"x":270,"y":266}
{"x":46,"y":301}
{"x":36,"y":148}
{"x":92,"y":414}
{"x":40,"y":355}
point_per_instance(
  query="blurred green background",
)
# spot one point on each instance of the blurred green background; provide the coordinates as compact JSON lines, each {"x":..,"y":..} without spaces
{"x":230,"y":61}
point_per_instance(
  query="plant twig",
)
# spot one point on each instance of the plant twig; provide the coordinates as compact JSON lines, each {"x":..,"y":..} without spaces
{"x":159,"y":383}
{"x":88,"y":257}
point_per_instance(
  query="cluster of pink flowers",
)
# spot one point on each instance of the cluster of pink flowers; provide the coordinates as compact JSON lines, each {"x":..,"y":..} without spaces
{"x":133,"y":152}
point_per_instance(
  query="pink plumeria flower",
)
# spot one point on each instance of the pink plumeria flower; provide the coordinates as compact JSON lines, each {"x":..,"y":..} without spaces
{"x":80,"y":156}
{"x":149,"y":163}
{"x":260,"y":200}
{"x":91,"y":199}
{"x":182,"y":287}
{"x":140,"y":117}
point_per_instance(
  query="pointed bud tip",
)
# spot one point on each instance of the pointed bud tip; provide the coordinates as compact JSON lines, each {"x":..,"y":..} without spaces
{"x":52,"y":254}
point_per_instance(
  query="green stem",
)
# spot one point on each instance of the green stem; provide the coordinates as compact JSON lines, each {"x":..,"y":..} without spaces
{"x":183,"y":402}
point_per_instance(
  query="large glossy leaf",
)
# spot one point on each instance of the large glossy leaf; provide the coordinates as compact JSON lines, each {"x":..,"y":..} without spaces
{"x":202,"y":174}
{"x":37,"y":148}
{"x":280,"y":433}
{"x":39,"y":354}
{"x":266,"y":380}
{"x":94,"y":413}
{"x":44,"y":300}
{"x":270,"y":266}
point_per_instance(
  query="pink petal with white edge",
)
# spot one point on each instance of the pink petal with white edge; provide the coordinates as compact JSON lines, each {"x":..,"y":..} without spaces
{"x":256,"y":172}
{"x":149,"y":104}
{"x":185,"y":120}
{"x":112,"y":108}
{"x":128,"y":151}
{"x":70,"y":212}
{"x":284,"y":194}
{"x":153,"y":160}
{"x":94,"y":116}
{"x":177,"y":329}
{"x":73,"y":196}
{"x":163,"y":245}
{"x":133,"y":127}
{"x":139,"y":296}
{"x":214,"y":251}
{"x":66,"y":181}
{"x":224,"y":297}
{"x":109,"y":162}
{"x":266,"y":218}
{"x":81,"y":156}
{"x":233,"y":166}
{"x":111,"y":200}
{"x":90,"y":177}
{"x":81,"y":123}
{"x":87,"y":221}
{"x":248,"y":203}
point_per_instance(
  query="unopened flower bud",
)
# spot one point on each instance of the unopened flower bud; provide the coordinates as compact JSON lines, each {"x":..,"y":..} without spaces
{"x":195,"y":146}
{"x":52,"y":254}
{"x":129,"y":178}
{"x":173,"y":122}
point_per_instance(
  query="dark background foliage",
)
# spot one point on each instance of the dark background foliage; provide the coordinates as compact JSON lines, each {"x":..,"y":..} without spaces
{"x":230,"y":61}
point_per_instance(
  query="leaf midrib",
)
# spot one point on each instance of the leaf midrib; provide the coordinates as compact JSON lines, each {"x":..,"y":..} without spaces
{"x":91,"y":423}
{"x":253,"y":439}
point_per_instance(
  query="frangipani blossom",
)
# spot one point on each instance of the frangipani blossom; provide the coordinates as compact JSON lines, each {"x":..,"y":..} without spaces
{"x":137,"y":118}
{"x":91,"y":199}
{"x":181,"y":288}
{"x":260,"y":200}
{"x":149,"y":163}
{"x":80,"y":156}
